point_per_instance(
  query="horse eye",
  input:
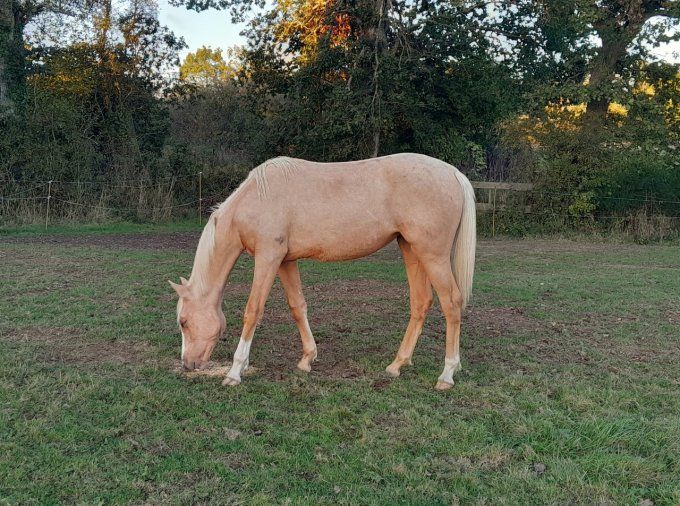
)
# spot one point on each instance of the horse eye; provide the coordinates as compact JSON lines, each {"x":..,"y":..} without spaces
{"x":183,"y":322}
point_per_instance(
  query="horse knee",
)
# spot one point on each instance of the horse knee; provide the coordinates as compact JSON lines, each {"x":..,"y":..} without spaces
{"x":457,"y":300}
{"x":452,"y":305}
{"x":420,"y":309}
{"x":298,"y":309}
{"x":252,"y":315}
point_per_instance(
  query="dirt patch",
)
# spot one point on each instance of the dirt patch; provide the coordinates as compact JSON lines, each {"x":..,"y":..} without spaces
{"x":343,"y":317}
{"x":212,"y":370}
{"x":70,"y":347}
{"x":356,"y":319}
{"x":591,"y":337}
{"x":672,"y":317}
{"x":141,"y":241}
{"x":494,"y":322}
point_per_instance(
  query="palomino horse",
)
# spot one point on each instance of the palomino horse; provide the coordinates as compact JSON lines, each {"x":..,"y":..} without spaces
{"x":289,"y":209}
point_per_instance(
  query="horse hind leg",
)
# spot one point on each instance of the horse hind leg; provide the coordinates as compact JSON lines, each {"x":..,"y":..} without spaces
{"x":420,"y":299}
{"x":439,"y":272}
{"x":290,"y":279}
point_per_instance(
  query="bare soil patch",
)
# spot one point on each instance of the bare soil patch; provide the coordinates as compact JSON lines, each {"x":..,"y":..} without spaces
{"x":498,"y":321}
{"x":141,"y":241}
{"x":211,"y":370}
{"x":70,"y":346}
{"x":353,"y":319}
{"x":673,"y":317}
{"x":349,"y":319}
{"x":491,"y":248}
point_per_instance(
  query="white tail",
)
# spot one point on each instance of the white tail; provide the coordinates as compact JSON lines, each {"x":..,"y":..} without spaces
{"x":465,"y":242}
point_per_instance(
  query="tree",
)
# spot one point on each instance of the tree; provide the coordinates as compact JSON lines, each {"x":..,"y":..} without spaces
{"x":207,"y":66}
{"x":601,"y":44}
{"x":618,"y":23}
{"x":98,"y":93}
{"x":10,"y":54}
{"x":14,"y":16}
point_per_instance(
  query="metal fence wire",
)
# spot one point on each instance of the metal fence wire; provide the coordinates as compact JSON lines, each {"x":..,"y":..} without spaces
{"x":53,"y":198}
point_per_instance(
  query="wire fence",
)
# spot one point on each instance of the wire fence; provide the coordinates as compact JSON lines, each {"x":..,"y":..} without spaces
{"x":57,"y":200}
{"x":509,"y":204}
{"x":183,"y":196}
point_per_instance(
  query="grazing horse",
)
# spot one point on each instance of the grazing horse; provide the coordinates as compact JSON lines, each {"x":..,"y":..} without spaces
{"x":289,"y":209}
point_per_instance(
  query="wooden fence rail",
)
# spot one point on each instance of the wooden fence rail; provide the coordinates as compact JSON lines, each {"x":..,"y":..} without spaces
{"x":497,"y":194}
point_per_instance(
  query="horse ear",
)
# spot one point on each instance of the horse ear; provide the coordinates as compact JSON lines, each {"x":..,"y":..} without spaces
{"x":180,"y":289}
{"x":183,"y":281}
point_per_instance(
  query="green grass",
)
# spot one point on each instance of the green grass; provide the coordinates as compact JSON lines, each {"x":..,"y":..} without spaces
{"x":570,"y":354}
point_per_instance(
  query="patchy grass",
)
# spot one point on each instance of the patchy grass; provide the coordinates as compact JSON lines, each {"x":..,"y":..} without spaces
{"x":569,"y":392}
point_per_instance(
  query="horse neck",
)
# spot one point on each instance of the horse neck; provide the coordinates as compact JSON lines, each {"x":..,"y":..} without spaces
{"x":211,"y":270}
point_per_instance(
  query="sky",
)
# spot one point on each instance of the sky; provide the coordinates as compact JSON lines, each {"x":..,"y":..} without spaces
{"x":211,"y":28}
{"x":214,"y":29}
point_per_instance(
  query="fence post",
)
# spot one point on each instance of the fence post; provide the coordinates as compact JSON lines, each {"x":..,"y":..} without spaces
{"x":200,"y":197}
{"x":493,"y":216}
{"x":49,"y":197}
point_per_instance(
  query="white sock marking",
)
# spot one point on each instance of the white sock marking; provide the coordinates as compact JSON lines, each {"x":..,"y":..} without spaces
{"x":451,"y":365}
{"x":240,"y":359}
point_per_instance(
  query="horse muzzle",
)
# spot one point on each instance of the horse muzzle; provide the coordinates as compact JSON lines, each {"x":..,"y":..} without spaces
{"x":192,"y":365}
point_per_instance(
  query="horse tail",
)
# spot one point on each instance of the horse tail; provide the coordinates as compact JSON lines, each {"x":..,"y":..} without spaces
{"x":466,"y":240}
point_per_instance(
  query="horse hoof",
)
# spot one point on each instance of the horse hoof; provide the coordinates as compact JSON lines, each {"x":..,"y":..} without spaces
{"x":392,"y":370}
{"x":231,"y":382}
{"x":304,"y":366}
{"x":441,"y":385}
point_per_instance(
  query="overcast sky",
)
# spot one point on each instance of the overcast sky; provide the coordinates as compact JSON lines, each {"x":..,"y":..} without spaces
{"x":214,"y":28}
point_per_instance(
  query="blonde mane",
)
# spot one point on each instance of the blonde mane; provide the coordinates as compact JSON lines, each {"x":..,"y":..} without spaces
{"x":206,"y":244}
{"x":281,"y":164}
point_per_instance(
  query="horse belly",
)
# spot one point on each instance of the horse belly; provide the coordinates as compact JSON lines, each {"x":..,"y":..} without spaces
{"x":338,"y":237}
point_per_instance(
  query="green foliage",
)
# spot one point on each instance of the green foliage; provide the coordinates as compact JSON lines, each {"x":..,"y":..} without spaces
{"x":224,"y":126}
{"x":519,"y":95}
{"x":205,"y":66}
{"x":49,"y":139}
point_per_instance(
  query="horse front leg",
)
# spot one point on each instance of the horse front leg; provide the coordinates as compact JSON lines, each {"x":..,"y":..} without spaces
{"x":421,"y":300}
{"x":290,"y":279}
{"x":263,"y":279}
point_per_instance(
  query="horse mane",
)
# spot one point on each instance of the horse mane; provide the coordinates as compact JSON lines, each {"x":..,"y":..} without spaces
{"x":281,"y":164}
{"x":206,"y":244}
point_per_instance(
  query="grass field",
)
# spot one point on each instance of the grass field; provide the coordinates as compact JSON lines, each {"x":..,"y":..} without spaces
{"x":569,"y":391}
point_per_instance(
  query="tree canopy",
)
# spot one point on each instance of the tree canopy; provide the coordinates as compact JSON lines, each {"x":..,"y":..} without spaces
{"x":564,"y":93}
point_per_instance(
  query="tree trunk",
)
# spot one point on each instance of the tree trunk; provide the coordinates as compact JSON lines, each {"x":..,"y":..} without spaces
{"x":380,"y":43}
{"x":6,"y":45}
{"x":602,"y":71}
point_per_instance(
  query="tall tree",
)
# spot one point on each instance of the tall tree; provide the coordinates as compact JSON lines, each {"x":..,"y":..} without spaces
{"x":14,"y":16}
{"x":10,"y":54}
{"x":207,"y":66}
{"x":618,"y":23}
